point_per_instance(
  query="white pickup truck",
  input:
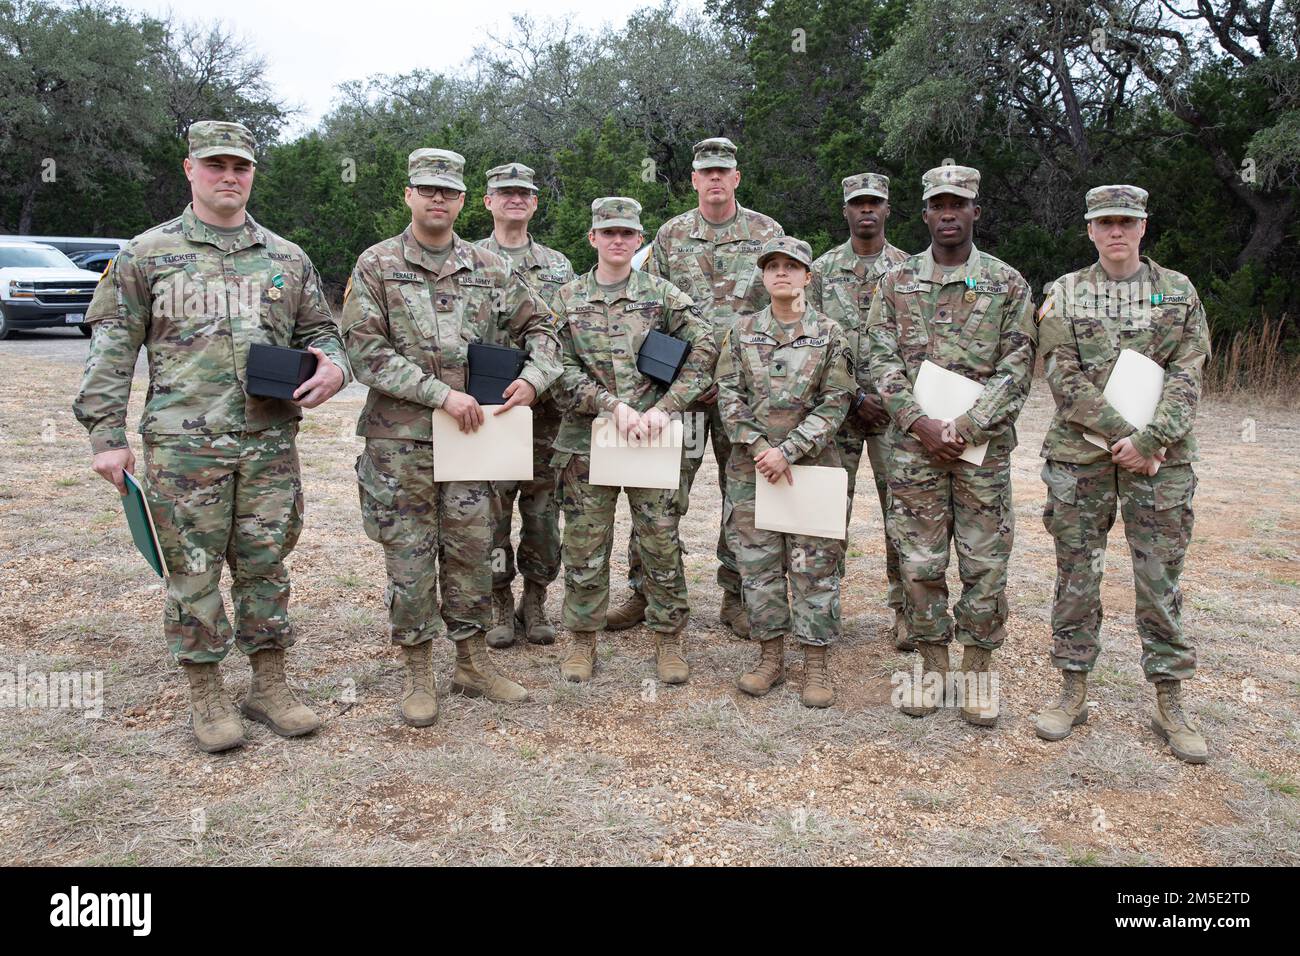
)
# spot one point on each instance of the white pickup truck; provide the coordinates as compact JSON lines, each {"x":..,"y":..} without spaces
{"x":41,"y":287}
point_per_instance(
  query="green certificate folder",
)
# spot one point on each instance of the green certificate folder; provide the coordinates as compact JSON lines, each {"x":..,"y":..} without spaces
{"x":140,"y":521}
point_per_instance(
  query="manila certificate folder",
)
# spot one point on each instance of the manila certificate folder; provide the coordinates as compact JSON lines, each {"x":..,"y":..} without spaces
{"x":815,"y":505}
{"x":619,"y":463}
{"x":501,"y":449}
{"x":947,"y":395}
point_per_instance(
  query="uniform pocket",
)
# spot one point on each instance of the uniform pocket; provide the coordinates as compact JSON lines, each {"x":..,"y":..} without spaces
{"x":1173,"y":487}
{"x":378,"y":494}
{"x":1061,"y":515}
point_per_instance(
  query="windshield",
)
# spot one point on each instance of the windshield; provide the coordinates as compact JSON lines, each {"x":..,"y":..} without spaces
{"x":20,"y":257}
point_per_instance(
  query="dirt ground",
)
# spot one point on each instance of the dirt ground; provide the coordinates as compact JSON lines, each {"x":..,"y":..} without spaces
{"x":622,"y":770}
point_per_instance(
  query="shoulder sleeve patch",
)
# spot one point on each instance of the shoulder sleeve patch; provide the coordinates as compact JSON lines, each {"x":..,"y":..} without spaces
{"x":1043,"y":310}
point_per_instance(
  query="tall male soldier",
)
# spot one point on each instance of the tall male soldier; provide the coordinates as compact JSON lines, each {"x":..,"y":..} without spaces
{"x":844,"y":280}
{"x":413,"y":305}
{"x":970,"y":313}
{"x":1124,"y":300}
{"x":512,"y":199}
{"x":711,"y":254}
{"x":221,"y":466}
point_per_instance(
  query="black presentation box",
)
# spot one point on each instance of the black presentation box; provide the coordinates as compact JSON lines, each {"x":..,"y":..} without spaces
{"x":276,"y":372}
{"x":491,"y":370}
{"x":661,"y":357}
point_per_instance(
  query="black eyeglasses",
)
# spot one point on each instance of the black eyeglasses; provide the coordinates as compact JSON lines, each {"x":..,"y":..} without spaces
{"x":438,"y":192}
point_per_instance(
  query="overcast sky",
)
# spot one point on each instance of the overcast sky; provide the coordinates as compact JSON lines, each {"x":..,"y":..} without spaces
{"x":312,"y":47}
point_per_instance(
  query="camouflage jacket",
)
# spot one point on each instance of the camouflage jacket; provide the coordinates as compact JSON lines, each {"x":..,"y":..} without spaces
{"x":408,"y":329}
{"x":1084,"y":323}
{"x":544,"y":269}
{"x":978,"y":322}
{"x":196,"y":300}
{"x":601,"y":338}
{"x":786,"y":387}
{"x":715,"y":266}
{"x":841,"y":288}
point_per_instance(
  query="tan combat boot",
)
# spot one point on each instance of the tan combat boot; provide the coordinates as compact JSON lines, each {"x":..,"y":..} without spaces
{"x":582,"y":657}
{"x":817,"y":690}
{"x":901,"y":641}
{"x":420,"y":694}
{"x":979,"y":702}
{"x":531,"y":615}
{"x":670,"y":658}
{"x":217,"y":726}
{"x":271,"y":702}
{"x":934,"y":658}
{"x":1057,"y":723}
{"x":733,"y":615}
{"x":769,"y":671}
{"x":502,"y":632}
{"x":628,"y":614}
{"x":476,"y":676}
{"x":1171,"y":724}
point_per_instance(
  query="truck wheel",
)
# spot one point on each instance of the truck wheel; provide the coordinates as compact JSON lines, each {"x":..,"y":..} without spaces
{"x":6,"y":330}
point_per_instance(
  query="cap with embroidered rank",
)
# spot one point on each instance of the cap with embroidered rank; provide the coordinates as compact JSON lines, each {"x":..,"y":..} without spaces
{"x":796,"y":249}
{"x":865,"y":184}
{"x":715,"y":152}
{"x":616,"y":212}
{"x":511,"y":174}
{"x":1119,"y":200}
{"x":436,"y":167}
{"x":215,"y":138}
{"x":961,"y":181}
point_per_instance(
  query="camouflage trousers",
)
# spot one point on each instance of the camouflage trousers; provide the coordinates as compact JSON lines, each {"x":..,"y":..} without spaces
{"x":538,"y":554}
{"x":850,"y":444}
{"x":234,"y":498}
{"x":589,"y":537}
{"x":702,"y":423}
{"x":437,"y":538}
{"x":768,"y":559}
{"x":932,"y":504}
{"x":1079,"y":513}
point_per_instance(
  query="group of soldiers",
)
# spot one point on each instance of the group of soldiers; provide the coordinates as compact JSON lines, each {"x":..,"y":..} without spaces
{"x":791,"y":361}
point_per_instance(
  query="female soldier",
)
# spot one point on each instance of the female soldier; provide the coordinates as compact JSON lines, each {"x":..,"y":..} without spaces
{"x":606,"y":316}
{"x":785,"y":382}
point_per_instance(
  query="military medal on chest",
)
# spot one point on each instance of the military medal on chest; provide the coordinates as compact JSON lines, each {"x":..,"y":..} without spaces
{"x":970,"y":289}
{"x":277,"y":283}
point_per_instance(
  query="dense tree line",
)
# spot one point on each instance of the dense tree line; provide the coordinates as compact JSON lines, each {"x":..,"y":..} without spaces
{"x":1198,"y":100}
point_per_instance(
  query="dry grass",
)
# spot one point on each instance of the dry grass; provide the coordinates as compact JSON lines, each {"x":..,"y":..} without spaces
{"x":623,"y":770}
{"x":1256,"y":365}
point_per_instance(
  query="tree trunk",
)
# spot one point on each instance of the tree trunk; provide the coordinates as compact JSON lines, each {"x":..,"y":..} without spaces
{"x":27,"y":211}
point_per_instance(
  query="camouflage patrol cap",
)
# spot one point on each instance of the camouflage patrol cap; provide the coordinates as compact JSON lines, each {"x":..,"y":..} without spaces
{"x":713,"y":153}
{"x":865,"y":184}
{"x":958,"y":180}
{"x":511,"y":174}
{"x":1128,"y":201}
{"x":616,"y":212}
{"x":436,"y":167}
{"x":215,"y":138}
{"x":796,"y":249}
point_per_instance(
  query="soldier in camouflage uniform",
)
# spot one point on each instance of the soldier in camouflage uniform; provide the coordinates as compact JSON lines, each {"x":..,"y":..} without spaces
{"x":221,"y":466}
{"x":413,"y":305}
{"x":605,"y":317}
{"x":512,"y":199}
{"x":785,"y":381}
{"x":843,"y":282}
{"x":1122,"y":301}
{"x":709,"y":253}
{"x":968,"y":312}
